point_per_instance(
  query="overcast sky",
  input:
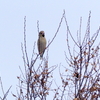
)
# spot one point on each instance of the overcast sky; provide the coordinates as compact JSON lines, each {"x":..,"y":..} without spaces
{"x":49,"y":13}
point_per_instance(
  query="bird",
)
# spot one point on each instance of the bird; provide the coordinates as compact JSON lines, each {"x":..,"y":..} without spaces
{"x":41,"y":43}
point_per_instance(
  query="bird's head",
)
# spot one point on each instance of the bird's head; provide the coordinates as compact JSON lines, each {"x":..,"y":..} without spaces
{"x":41,"y":34}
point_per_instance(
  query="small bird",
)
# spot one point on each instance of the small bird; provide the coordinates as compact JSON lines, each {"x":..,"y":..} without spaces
{"x":41,"y":43}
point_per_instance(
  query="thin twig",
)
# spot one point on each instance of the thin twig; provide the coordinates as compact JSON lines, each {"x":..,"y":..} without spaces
{"x":2,"y":86}
{"x":6,"y":93}
{"x":57,"y":30}
{"x":25,"y":41}
{"x":38,"y":26}
{"x":69,"y":31}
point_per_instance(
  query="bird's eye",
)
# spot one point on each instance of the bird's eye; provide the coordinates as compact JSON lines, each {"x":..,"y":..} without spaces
{"x":43,"y":35}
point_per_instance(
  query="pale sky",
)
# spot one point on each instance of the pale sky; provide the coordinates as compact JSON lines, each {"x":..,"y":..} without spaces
{"x":49,"y":13}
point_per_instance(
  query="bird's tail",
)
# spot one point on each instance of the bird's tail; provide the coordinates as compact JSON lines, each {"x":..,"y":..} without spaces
{"x":41,"y":56}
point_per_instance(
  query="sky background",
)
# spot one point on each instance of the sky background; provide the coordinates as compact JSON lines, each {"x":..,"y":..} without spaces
{"x":49,"y":13}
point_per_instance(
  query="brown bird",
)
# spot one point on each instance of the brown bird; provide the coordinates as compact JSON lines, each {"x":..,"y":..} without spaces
{"x":41,"y":43}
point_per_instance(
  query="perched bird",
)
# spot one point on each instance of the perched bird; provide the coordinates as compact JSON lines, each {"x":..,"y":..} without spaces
{"x":41,"y":43}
